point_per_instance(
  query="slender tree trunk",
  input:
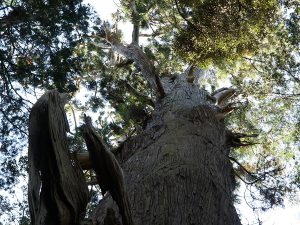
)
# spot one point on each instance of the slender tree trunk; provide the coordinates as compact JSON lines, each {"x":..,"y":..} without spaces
{"x":177,"y":171}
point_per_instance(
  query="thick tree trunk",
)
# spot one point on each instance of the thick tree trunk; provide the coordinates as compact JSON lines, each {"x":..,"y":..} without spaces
{"x":177,"y":171}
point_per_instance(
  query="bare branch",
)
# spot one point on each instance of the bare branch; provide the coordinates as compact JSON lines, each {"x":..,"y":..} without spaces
{"x":245,"y":170}
{"x":135,"y":53}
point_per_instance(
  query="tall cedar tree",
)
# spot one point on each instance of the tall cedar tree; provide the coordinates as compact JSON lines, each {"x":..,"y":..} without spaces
{"x":177,"y":158}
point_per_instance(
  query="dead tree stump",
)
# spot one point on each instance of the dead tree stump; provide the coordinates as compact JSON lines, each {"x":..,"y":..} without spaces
{"x":57,"y":190}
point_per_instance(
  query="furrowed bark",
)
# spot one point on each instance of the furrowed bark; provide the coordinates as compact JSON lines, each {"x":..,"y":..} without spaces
{"x":177,"y":170}
{"x":193,"y":74}
{"x":84,"y":160}
{"x":108,"y":171}
{"x":57,"y":190}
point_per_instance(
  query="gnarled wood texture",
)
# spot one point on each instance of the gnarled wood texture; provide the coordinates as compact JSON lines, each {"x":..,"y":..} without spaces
{"x":109,"y":174}
{"x":57,"y":190}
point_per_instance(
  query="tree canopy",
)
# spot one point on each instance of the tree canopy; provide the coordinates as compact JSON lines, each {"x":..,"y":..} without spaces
{"x":252,"y":45}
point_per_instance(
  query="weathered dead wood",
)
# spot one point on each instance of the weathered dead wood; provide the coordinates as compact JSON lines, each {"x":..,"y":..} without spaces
{"x":57,"y":190}
{"x":235,"y":140}
{"x":225,"y":110}
{"x":108,"y":171}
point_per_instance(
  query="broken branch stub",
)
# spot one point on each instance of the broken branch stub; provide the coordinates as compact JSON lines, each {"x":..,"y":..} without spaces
{"x":222,"y":95}
{"x":108,"y":171}
{"x":57,"y":191}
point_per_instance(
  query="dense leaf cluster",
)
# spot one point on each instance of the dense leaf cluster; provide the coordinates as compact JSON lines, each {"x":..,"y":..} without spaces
{"x":221,"y":29}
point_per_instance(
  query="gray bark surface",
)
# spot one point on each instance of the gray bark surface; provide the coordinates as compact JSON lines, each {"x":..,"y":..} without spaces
{"x":177,"y":171}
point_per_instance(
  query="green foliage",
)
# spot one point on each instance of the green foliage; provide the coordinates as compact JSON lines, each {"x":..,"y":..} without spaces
{"x":217,"y":30}
{"x":162,"y":20}
{"x":14,"y":210}
{"x":40,"y":39}
{"x":269,"y":81}
{"x":206,"y":32}
{"x":127,"y":95}
{"x":37,"y":50}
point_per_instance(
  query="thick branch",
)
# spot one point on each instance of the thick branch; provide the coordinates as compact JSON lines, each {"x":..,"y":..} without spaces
{"x":134,"y":52}
{"x":222,"y":95}
{"x":147,"y":68}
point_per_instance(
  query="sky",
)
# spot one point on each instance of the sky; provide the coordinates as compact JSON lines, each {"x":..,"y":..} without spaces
{"x":290,"y":215}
